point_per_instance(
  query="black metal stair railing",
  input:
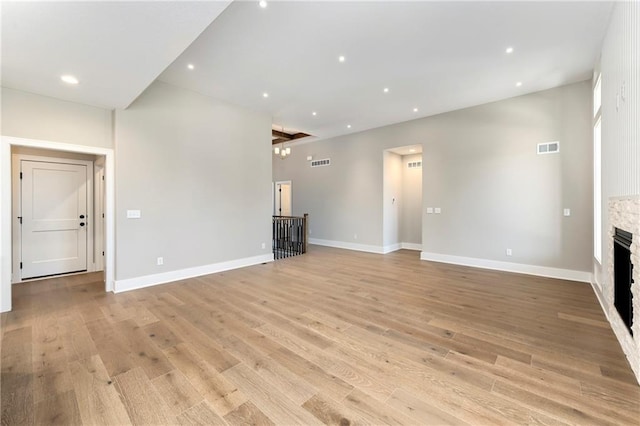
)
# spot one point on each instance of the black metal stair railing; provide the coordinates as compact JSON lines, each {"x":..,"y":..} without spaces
{"x":289,"y":236}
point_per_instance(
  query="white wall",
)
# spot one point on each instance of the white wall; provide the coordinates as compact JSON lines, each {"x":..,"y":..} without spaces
{"x":480,"y":166}
{"x":411,"y":209}
{"x":31,"y":116}
{"x":199,"y":170}
{"x":620,"y":68}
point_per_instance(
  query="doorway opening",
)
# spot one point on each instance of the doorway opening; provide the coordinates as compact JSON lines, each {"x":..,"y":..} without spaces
{"x":91,"y":162}
{"x":282,"y":199}
{"x":57,"y":205}
{"x":402,"y":198}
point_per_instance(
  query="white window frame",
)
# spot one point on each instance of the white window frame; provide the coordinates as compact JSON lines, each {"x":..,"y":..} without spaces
{"x":597,"y":169}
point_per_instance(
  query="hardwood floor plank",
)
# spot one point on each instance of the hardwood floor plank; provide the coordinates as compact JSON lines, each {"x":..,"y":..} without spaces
{"x":17,"y":377}
{"x":331,"y":412}
{"x":419,"y":410}
{"x":97,"y":398}
{"x":248,"y":414}
{"x":59,"y":409}
{"x":222,"y":395}
{"x":176,"y":391}
{"x":200,"y":415}
{"x":141,"y":400}
{"x":266,"y":397}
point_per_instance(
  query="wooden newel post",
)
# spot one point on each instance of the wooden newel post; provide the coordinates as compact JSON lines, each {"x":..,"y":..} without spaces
{"x":306,"y":232}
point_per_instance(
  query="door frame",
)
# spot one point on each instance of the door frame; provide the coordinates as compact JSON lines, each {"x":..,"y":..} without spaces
{"x":5,"y":207}
{"x":276,"y":198}
{"x":16,"y":276}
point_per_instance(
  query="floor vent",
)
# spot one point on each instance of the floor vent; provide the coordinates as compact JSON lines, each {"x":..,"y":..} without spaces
{"x":549,"y":147}
{"x":414,"y":164}
{"x":320,"y":163}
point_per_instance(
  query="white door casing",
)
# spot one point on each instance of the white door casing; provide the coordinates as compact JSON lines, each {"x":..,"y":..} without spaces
{"x":55,"y":222}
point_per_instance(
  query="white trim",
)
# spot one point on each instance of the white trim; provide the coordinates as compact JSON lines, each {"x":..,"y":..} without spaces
{"x":348,"y":246}
{"x":182,"y":274}
{"x":542,"y":271}
{"x":411,"y":246}
{"x":365,"y":247}
{"x":5,"y":211}
{"x":391,"y":248}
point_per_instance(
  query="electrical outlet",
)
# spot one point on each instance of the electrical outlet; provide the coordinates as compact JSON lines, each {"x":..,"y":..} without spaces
{"x":355,"y":236}
{"x":160,"y":261}
{"x":264,"y":245}
{"x":509,"y":252}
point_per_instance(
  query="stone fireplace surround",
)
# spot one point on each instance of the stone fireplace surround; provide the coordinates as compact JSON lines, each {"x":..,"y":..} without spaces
{"x":624,"y":213}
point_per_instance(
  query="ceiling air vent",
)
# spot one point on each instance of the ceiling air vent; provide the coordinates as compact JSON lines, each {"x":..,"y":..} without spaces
{"x":549,"y":147}
{"x":414,"y":164}
{"x":320,"y":163}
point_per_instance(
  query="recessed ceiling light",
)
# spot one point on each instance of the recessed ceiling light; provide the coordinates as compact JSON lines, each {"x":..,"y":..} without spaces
{"x":518,"y":84}
{"x":509,"y":49}
{"x":314,"y":113}
{"x":415,"y":110}
{"x":69,"y":79}
{"x":348,"y":126}
{"x":263,"y":3}
{"x":190,"y":66}
{"x":265,"y":95}
{"x":386,"y":90}
{"x":341,"y":58}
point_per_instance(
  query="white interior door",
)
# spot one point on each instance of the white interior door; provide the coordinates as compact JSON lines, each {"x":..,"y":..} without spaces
{"x":283,"y":199}
{"x":54,"y":218}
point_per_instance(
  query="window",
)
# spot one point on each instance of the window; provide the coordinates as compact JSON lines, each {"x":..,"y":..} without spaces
{"x":597,"y":97}
{"x":597,"y":170}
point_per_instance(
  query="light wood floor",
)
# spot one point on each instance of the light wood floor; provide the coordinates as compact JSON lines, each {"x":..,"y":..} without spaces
{"x":333,"y":337}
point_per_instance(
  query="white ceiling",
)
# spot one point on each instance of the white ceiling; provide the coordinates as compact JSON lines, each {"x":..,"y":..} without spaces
{"x":115,"y":49}
{"x":434,"y":56}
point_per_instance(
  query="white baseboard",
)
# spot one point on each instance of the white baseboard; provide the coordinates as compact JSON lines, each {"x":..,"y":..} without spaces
{"x":391,"y":247}
{"x":365,"y":247}
{"x":182,"y":274}
{"x":542,"y":271}
{"x":411,"y":246}
{"x":347,"y":246}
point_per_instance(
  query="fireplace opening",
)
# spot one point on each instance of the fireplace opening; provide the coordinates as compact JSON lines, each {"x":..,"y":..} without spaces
{"x":623,"y":275}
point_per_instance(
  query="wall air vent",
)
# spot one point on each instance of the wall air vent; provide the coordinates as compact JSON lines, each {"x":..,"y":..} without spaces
{"x":320,"y":163}
{"x":549,"y":147}
{"x":414,"y":164}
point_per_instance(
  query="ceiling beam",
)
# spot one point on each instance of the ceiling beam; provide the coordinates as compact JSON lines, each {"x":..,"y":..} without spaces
{"x":281,"y":137}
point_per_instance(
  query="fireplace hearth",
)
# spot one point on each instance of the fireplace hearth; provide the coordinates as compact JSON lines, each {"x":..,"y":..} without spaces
{"x":621,"y":287}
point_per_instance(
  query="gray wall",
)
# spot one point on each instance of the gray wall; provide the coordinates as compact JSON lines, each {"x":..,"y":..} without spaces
{"x":411,"y":208}
{"x":199,"y":170}
{"x":480,"y":166}
{"x":30,"y":116}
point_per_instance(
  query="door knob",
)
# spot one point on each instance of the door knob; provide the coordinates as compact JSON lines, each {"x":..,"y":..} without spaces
{"x":81,"y":223}
{"x":81,"y":216}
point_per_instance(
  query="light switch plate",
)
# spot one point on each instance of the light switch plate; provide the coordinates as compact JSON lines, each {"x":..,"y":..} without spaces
{"x":567,"y":212}
{"x":429,"y":210}
{"x":133,"y":214}
{"x":437,"y":210}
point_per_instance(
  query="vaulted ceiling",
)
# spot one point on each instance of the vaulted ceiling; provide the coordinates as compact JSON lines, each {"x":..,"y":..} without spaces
{"x":431,"y":57}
